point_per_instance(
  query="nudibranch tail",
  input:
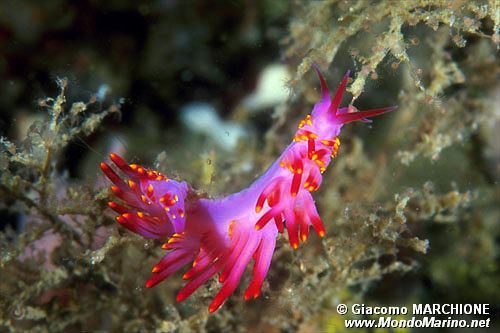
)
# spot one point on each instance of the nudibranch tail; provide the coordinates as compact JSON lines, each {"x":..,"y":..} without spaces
{"x":222,"y":236}
{"x":152,"y":205}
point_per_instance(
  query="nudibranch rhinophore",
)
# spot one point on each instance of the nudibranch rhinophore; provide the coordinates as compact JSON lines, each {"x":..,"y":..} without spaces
{"x":222,"y":235}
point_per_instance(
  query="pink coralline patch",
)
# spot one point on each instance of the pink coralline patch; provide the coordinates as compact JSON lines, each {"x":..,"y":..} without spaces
{"x":221,"y":236}
{"x":43,"y":247}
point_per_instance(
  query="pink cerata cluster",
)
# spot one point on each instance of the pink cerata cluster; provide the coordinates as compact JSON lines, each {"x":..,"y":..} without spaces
{"x":223,"y":235}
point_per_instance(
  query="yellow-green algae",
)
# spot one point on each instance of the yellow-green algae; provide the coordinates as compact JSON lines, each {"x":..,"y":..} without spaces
{"x":413,"y":196}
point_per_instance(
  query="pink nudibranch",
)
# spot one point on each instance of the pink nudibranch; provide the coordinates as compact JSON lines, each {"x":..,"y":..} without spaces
{"x":223,"y":235}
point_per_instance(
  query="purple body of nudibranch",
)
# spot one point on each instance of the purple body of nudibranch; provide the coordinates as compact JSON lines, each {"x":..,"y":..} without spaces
{"x":223,"y":235}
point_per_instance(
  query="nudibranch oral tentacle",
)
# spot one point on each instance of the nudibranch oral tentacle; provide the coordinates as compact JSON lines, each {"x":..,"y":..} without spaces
{"x":224,"y":235}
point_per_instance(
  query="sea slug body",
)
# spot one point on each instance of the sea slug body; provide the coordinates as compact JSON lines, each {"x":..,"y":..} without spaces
{"x":223,"y":235}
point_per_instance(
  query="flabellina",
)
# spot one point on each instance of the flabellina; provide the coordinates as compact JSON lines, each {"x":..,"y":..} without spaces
{"x":223,"y":235}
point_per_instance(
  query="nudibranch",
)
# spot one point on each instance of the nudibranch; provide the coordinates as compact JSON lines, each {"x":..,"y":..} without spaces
{"x":223,"y":235}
